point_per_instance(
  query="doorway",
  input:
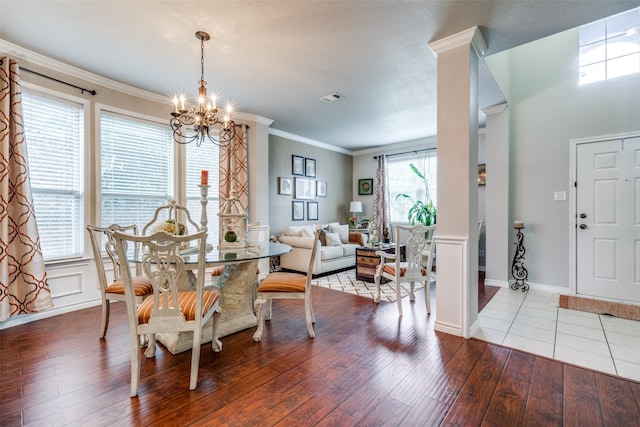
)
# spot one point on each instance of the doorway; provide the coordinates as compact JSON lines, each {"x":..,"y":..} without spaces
{"x":607,"y":217}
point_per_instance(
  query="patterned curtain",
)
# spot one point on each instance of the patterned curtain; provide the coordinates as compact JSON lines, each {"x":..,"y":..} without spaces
{"x":381,"y":201}
{"x":234,"y":171}
{"x":23,"y":280}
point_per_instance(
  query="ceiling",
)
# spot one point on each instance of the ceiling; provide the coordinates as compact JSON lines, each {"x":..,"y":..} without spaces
{"x":277,"y":58}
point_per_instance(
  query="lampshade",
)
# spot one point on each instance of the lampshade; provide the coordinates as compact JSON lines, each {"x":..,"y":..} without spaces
{"x":355,"y":207}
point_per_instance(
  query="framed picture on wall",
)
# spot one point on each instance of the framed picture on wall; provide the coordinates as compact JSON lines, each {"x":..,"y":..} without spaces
{"x":297,"y":210}
{"x":321,"y":189}
{"x":312,"y":211}
{"x":310,"y":167}
{"x":305,"y":188}
{"x":365,"y":186}
{"x":297,"y":165}
{"x":285,"y":186}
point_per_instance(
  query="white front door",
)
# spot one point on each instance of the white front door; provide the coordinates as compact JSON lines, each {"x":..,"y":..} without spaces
{"x":608,"y":219}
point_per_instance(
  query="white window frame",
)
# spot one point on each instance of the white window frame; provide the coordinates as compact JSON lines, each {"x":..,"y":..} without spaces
{"x":399,"y":216}
{"x":609,"y":56}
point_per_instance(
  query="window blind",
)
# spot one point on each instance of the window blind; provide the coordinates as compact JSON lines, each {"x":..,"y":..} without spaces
{"x":205,"y":157}
{"x":54,"y":130}
{"x":136,"y":168}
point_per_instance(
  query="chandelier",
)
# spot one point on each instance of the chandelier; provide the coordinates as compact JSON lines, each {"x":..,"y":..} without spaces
{"x":198,"y":121}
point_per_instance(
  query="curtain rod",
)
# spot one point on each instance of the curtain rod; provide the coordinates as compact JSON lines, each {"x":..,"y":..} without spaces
{"x":407,"y":152}
{"x":83,"y":90}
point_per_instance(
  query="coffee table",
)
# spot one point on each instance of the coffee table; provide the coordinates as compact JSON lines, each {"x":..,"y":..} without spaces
{"x":367,"y":261}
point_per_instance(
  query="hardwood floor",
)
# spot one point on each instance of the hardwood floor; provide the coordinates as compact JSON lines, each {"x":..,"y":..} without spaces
{"x":365,"y":367}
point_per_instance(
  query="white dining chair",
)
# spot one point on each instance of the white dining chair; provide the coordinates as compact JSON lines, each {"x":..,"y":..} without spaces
{"x":169,"y":309}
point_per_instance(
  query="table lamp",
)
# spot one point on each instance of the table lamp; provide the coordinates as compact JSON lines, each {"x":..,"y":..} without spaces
{"x":355,"y":208}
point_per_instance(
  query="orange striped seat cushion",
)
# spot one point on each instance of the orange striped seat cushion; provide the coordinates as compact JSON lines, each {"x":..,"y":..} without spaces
{"x":141,"y":286}
{"x":390,"y":268}
{"x":283,"y":282}
{"x":187,"y":302}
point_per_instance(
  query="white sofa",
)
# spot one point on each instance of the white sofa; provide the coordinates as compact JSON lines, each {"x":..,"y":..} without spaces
{"x":332,"y":255}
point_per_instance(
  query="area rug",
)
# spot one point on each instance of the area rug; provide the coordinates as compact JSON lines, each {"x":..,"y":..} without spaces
{"x":345,"y":281}
{"x":624,"y":311}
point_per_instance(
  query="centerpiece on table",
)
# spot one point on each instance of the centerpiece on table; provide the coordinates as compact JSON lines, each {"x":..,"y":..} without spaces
{"x":170,"y":226}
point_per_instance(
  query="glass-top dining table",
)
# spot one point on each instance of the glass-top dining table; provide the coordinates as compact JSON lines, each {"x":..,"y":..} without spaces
{"x":236,"y":286}
{"x":217,"y":257}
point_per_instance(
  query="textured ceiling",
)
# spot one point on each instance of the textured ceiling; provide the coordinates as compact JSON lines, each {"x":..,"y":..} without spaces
{"x":276,"y":58}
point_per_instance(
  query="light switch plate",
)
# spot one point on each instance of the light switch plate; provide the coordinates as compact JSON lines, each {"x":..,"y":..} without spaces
{"x":560,"y":195}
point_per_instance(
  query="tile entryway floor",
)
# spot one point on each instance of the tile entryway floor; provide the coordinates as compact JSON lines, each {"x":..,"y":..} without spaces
{"x":532,"y":321}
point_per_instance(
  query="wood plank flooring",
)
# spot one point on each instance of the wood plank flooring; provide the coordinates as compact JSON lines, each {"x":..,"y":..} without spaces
{"x":365,"y":367}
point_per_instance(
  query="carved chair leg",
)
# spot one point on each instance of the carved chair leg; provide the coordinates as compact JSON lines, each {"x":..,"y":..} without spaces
{"x":216,"y":344}
{"x":399,"y":296}
{"x":259,"y":307}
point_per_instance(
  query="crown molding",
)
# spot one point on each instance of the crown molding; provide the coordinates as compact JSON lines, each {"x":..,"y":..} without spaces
{"x":494,"y":109}
{"x":309,"y":141}
{"x":44,"y":61}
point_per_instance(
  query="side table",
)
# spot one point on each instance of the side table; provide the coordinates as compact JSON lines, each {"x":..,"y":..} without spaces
{"x":367,"y":261}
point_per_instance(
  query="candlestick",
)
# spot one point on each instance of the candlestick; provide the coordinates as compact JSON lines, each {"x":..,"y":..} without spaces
{"x":518,"y":224}
{"x":204,"y":178}
{"x":204,"y":192}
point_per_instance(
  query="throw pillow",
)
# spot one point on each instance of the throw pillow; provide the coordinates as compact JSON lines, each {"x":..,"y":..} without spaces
{"x":333,"y":239}
{"x":343,"y":231}
{"x":323,"y":235}
{"x":307,"y":232}
{"x":356,"y":237}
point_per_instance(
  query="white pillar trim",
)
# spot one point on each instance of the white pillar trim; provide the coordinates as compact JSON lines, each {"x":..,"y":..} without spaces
{"x":471,"y":36}
{"x":452,"y":251}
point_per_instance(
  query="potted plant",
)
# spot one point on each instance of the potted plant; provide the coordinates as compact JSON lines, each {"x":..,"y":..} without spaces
{"x":423,"y":212}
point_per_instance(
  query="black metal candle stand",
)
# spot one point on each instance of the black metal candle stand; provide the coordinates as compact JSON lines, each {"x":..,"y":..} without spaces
{"x":518,"y":271}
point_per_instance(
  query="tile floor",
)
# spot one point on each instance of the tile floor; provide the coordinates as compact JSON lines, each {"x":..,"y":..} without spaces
{"x":532,"y":321}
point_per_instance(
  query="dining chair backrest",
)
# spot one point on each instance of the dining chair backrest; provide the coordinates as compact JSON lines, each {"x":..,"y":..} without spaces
{"x":418,"y":241}
{"x":103,"y":242}
{"x":173,"y":212}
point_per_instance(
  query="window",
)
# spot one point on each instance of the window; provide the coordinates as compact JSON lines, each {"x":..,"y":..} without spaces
{"x":402,"y":180}
{"x":54,"y":129}
{"x":610,"y":48}
{"x":202,"y":158}
{"x":136,"y":168}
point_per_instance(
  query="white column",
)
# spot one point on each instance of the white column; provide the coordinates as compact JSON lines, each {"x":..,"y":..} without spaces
{"x":457,"y":265}
{"x":498,"y":228}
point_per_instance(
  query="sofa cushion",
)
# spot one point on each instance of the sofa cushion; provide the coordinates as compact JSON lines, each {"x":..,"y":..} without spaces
{"x":331,"y":252}
{"x":332,"y":239}
{"x":299,"y":230}
{"x":297,"y":241}
{"x":349,"y":249}
{"x":343,"y":231}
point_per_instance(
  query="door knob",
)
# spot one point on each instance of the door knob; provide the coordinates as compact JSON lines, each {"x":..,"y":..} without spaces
{"x":583,"y":215}
{"x":583,"y":226}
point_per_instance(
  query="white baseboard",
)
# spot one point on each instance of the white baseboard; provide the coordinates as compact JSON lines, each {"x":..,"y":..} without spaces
{"x":27,"y":318}
{"x":448,"y":328}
